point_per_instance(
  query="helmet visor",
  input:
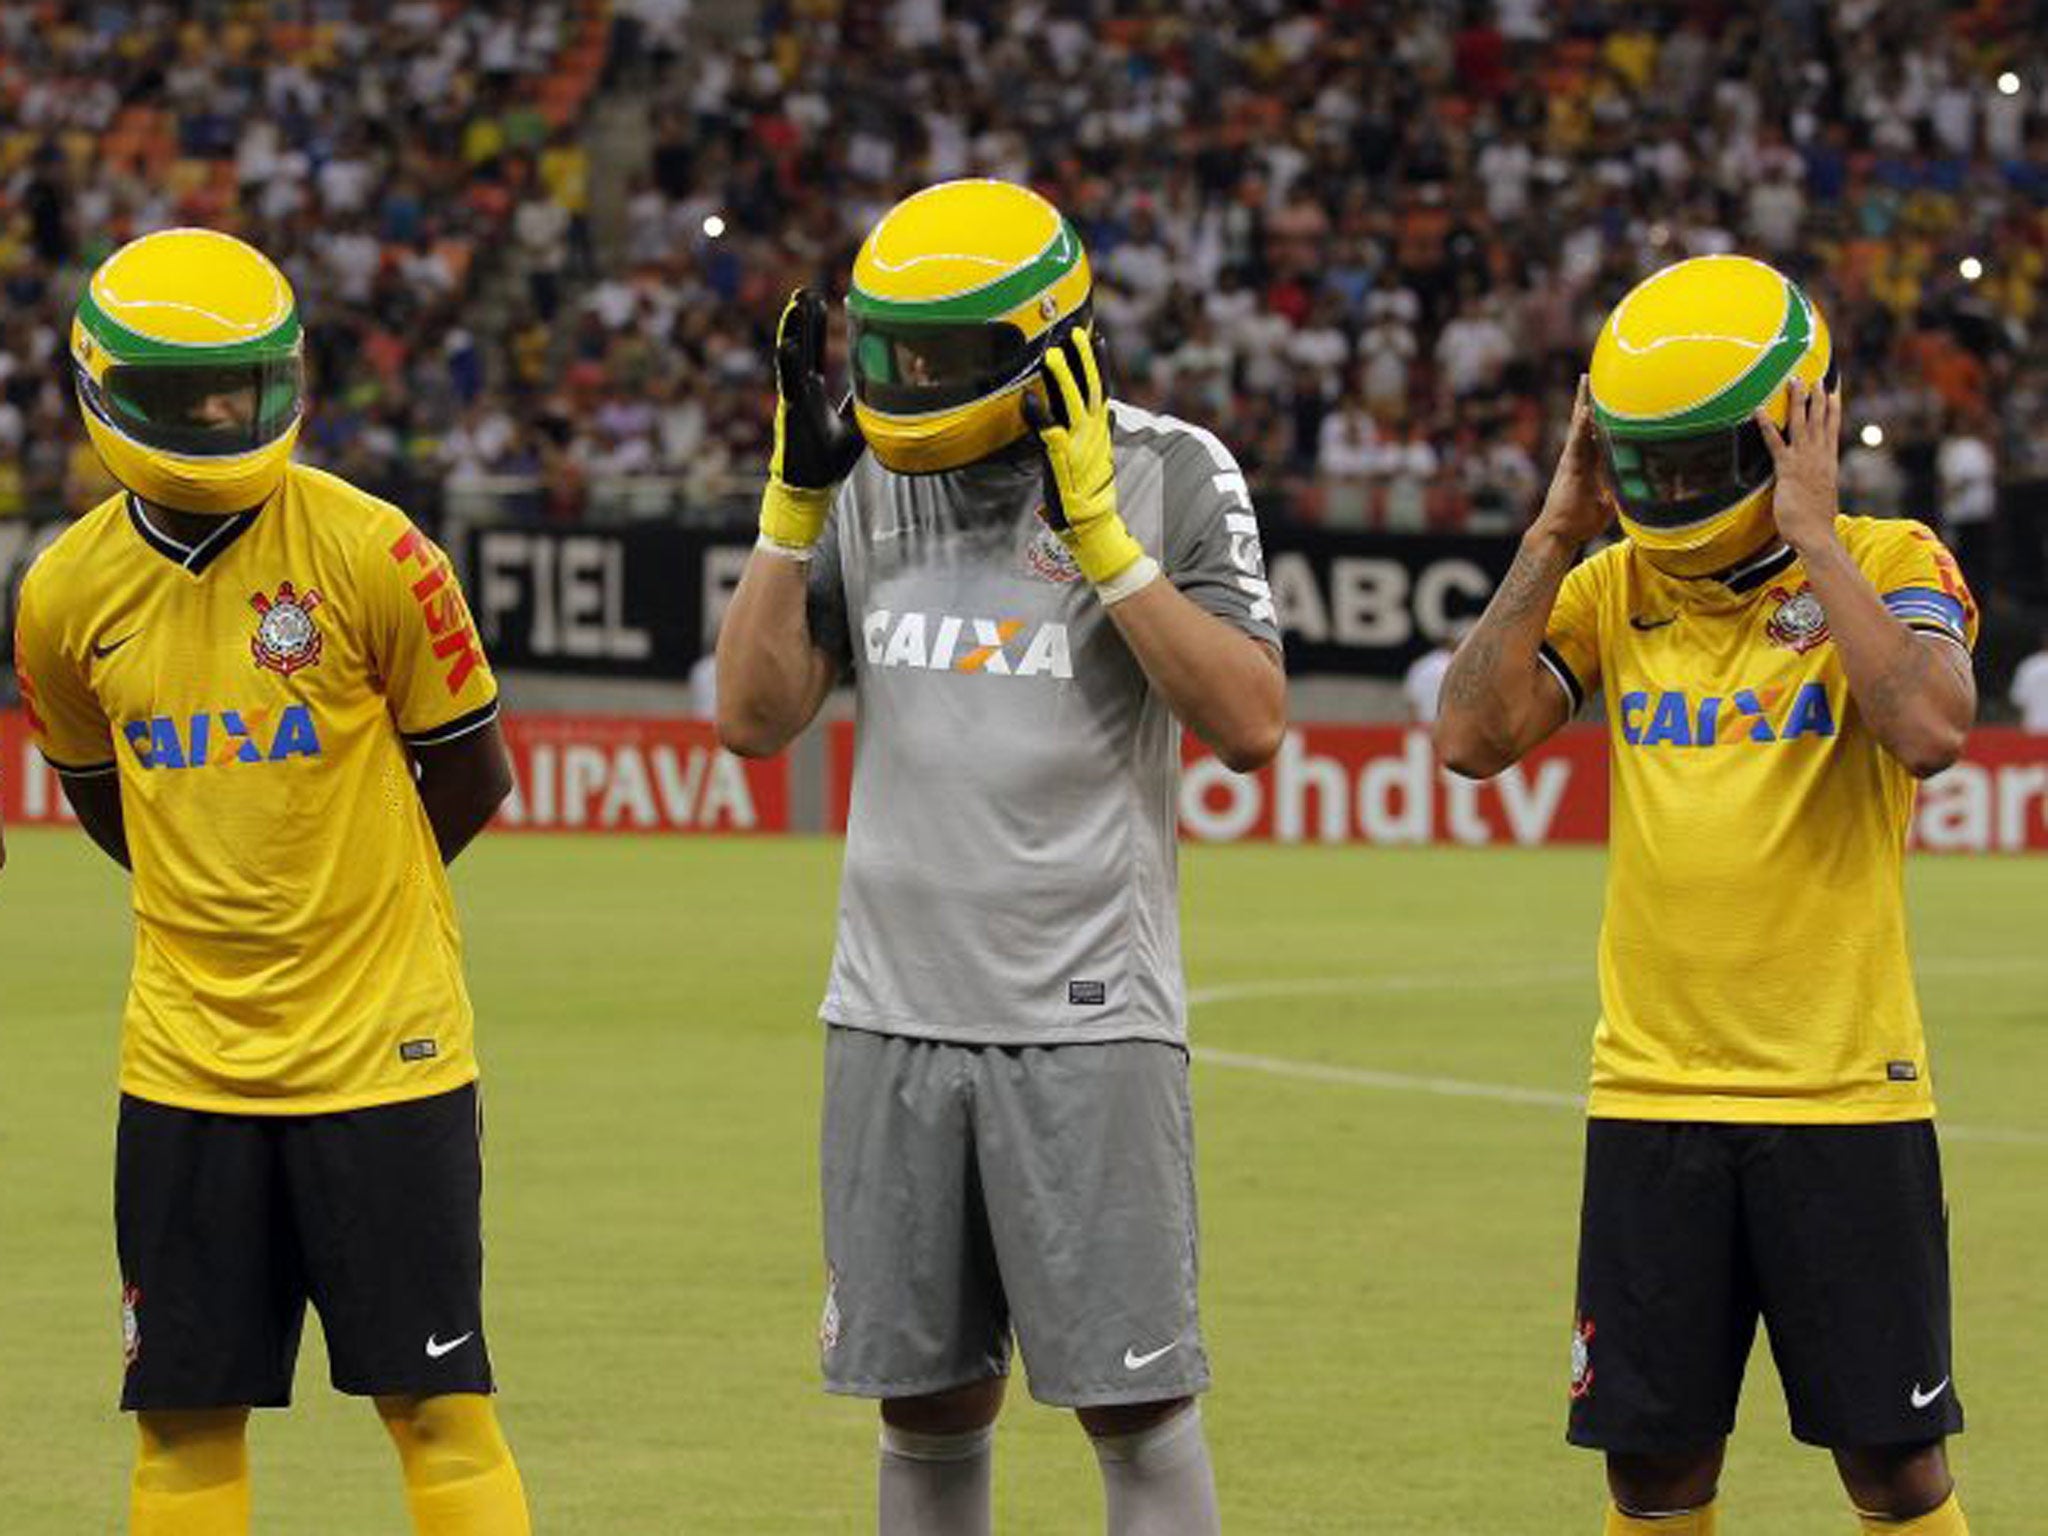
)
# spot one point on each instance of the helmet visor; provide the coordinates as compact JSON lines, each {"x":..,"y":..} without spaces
{"x":1675,"y":482}
{"x":198,"y":410}
{"x":911,"y":367}
{"x":907,"y":368}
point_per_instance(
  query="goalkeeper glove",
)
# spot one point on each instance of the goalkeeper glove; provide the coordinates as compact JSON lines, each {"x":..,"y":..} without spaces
{"x":815,"y":445}
{"x":1072,"y":423}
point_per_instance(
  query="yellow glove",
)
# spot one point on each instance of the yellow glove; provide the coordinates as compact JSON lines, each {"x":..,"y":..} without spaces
{"x":815,"y":446}
{"x":1072,"y":423}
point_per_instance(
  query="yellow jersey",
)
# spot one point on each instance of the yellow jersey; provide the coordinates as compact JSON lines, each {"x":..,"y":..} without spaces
{"x":1753,"y":959}
{"x":296,"y":949}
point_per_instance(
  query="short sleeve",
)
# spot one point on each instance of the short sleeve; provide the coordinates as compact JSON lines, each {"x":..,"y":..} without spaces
{"x":71,"y":731}
{"x":1211,"y":549}
{"x":1571,"y":640}
{"x":1921,"y":583}
{"x":825,"y":599}
{"x":423,"y":641}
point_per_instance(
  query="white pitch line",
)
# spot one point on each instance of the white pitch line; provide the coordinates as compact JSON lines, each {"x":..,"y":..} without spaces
{"x":1393,"y":1082}
{"x":1453,"y":1087}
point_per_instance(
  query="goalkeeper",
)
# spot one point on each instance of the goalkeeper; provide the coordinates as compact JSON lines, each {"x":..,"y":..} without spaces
{"x":1029,"y":585}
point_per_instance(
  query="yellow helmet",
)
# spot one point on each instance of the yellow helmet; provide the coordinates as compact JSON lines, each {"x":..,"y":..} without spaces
{"x":956,"y":294}
{"x":187,"y":353}
{"x":1681,"y":364}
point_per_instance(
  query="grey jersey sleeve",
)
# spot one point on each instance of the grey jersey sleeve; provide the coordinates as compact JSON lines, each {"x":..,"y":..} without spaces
{"x":1210,"y":543}
{"x":825,"y":596}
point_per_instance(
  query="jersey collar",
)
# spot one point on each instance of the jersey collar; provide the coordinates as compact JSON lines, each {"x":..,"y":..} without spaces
{"x":1751,"y":574}
{"x":190,"y":558}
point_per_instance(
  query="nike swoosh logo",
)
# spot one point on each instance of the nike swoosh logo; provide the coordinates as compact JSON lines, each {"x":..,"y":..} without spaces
{"x":102,"y":652}
{"x":436,"y":1349}
{"x":1922,"y":1399}
{"x":1133,"y":1361}
{"x":1637,"y":621}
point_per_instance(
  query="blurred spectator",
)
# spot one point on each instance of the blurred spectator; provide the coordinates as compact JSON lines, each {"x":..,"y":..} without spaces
{"x":2030,"y":690}
{"x":1968,"y":472}
{"x":1368,"y":242}
{"x":1425,"y":680}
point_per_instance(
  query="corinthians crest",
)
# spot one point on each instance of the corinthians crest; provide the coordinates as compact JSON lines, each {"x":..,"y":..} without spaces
{"x":1800,"y":622}
{"x":287,"y":640}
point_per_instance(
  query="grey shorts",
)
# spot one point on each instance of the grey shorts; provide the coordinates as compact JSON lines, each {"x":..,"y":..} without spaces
{"x":973,"y":1190}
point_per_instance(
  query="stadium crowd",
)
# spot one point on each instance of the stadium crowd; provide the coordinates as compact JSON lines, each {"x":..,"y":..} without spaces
{"x":1368,"y":242}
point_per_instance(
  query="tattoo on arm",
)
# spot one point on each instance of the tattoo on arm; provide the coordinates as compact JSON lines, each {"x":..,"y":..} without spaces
{"x":1471,"y":677}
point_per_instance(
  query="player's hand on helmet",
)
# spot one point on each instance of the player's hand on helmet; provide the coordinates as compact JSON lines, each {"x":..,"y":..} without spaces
{"x":816,"y":444}
{"x":1577,"y":506}
{"x":1807,"y":453}
{"x":1072,"y":425}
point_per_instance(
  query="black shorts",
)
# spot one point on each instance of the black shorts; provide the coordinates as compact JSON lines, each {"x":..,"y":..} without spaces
{"x":1836,"y":1235}
{"x":229,"y":1224}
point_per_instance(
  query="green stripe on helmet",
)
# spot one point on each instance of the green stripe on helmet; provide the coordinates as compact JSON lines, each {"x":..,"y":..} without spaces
{"x":992,"y":300}
{"x":1738,"y":401}
{"x":130,"y":346}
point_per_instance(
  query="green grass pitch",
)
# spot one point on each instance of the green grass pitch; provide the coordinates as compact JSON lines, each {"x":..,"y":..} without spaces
{"x":1387,"y":1269}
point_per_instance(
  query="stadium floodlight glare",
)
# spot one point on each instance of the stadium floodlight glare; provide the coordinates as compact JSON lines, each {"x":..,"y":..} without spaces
{"x":2008,"y":84}
{"x":1971,"y":268}
{"x":1872,"y":435}
{"x":714,"y":226}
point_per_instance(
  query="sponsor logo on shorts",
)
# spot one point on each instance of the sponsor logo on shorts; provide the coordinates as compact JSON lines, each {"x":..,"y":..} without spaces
{"x":131,"y":1325}
{"x":1901,"y":1072}
{"x":1087,"y":994}
{"x":828,"y":1324}
{"x":1133,"y":1361}
{"x":1922,"y":1399}
{"x":417,"y":1050}
{"x":436,"y":1349}
{"x":1582,"y":1358}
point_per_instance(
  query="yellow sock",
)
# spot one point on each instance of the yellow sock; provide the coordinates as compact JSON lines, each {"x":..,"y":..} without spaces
{"x":1945,"y":1520}
{"x":191,"y":1474}
{"x":1684,"y":1522}
{"x":459,"y":1476}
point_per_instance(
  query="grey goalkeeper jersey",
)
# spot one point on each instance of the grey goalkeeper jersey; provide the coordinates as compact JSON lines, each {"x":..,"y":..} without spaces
{"x":1011,"y":873}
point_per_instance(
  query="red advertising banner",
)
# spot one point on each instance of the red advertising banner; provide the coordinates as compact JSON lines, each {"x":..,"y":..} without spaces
{"x":636,"y":773}
{"x":1379,"y":784}
{"x":1336,"y":784}
{"x":573,"y":773}
{"x":1360,"y":784}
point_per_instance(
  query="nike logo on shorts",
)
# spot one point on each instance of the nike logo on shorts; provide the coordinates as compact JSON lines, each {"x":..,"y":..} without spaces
{"x":436,"y":1349}
{"x":1922,"y":1399}
{"x":1133,"y":1361}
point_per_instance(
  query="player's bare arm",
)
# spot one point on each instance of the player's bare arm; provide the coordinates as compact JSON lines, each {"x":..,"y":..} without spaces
{"x":771,"y":678}
{"x":462,"y":783}
{"x":1917,"y":691}
{"x":1220,"y":683}
{"x":96,"y":800}
{"x":1498,"y":702}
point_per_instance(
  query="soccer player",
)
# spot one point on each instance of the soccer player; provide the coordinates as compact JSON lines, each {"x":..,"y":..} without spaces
{"x":1029,"y":584}
{"x":264,"y":695}
{"x":1776,"y":676}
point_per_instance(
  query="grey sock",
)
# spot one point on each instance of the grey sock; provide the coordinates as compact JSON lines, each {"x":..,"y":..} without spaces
{"x":1158,"y":1482}
{"x":935,"y":1485}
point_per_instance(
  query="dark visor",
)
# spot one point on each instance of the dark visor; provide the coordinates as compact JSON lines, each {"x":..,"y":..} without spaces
{"x":1685,"y":480}
{"x":909,"y":367}
{"x":203,"y":410}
